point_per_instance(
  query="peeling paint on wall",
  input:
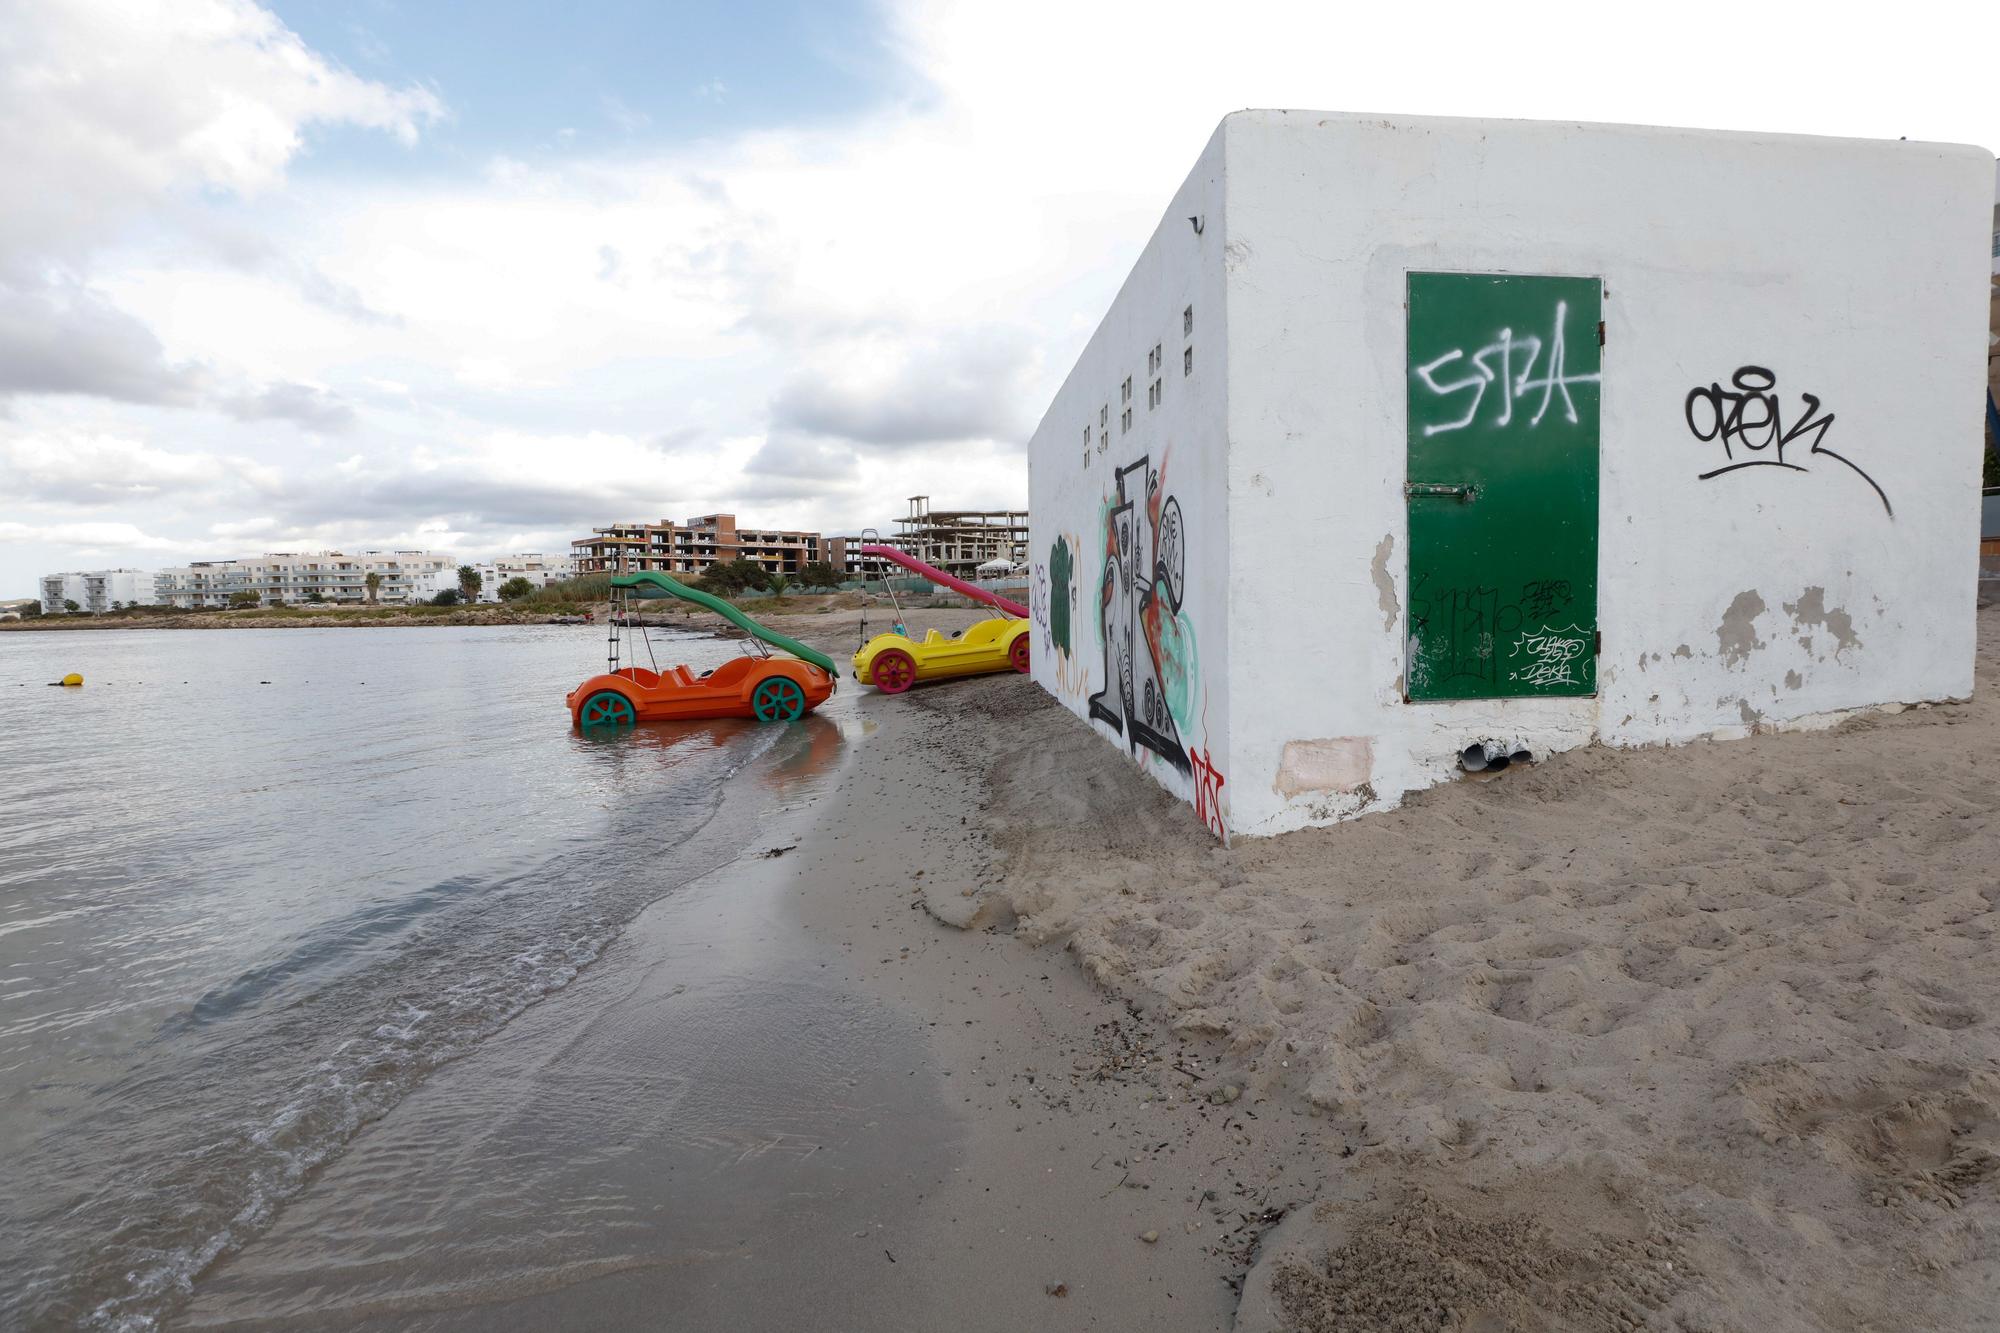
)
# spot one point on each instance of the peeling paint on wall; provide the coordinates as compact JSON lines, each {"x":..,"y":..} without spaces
{"x":1385,"y":582}
{"x":1811,"y":609}
{"x":1736,"y":636}
{"x":1338,"y":763}
{"x":1793,"y":680}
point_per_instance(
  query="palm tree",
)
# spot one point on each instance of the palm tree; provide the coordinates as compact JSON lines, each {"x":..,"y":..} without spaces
{"x":468,"y":584}
{"x":374,"y":585}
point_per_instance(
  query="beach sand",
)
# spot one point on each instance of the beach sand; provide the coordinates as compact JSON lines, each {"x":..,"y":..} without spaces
{"x":1699,"y":1038}
{"x":1694,"y":1038}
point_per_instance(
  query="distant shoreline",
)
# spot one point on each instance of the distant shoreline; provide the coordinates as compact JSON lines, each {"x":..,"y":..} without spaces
{"x":286,"y":619}
{"x":804,"y":616}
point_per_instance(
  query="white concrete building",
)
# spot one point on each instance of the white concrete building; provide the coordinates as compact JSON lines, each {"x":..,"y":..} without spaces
{"x":538,"y":569}
{"x":294,"y":576}
{"x":97,"y":590}
{"x":60,"y":589}
{"x":202,"y":585}
{"x":341,"y":576}
{"x":1406,"y":436}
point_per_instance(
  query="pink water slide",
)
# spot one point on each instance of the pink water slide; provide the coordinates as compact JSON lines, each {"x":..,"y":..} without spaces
{"x":944,"y":580}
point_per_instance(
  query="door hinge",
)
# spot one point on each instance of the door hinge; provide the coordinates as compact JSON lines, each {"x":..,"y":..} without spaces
{"x":1600,"y":333}
{"x":1597,"y":643}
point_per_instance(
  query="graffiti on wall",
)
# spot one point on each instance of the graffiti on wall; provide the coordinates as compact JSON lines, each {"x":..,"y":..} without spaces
{"x":1523,"y":354}
{"x":1465,"y":625}
{"x":1062,"y":593}
{"x":1148,"y":647}
{"x":1208,"y":792}
{"x":1748,"y":420}
{"x":1549,"y":656}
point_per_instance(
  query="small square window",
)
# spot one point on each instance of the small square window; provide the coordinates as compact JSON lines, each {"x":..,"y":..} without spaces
{"x":1154,"y":393}
{"x":1125,"y":422}
{"x":1187,"y":322}
{"x":1103,"y":417}
{"x":1125,"y":390}
{"x":1187,"y":361}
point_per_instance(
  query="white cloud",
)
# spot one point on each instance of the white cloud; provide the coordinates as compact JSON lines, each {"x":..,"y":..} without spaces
{"x":110,"y":106}
{"x":87,"y":540}
{"x":100,"y":469}
{"x":805,"y":324}
{"x":58,"y":337}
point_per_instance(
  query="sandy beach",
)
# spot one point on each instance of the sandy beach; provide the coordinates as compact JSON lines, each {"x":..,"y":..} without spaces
{"x":1692,"y":1038}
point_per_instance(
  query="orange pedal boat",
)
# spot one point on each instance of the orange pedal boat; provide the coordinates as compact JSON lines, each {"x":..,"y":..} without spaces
{"x":769,"y":689}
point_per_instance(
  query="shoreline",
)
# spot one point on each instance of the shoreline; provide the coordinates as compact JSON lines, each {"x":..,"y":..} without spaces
{"x":1701,"y":1037}
{"x":789,"y":616}
{"x":1042,"y":1130}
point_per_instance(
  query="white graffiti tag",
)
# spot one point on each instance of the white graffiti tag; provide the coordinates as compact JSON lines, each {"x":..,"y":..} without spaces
{"x":1524,"y":351}
{"x":1551,"y":656}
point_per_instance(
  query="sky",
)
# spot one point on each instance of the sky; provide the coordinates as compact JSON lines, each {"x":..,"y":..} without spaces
{"x":477,"y":277}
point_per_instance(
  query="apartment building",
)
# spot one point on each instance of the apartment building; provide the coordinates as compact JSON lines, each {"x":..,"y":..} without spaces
{"x":294,"y":576}
{"x":202,"y":585}
{"x":538,"y":569}
{"x":97,"y":590}
{"x":693,"y":546}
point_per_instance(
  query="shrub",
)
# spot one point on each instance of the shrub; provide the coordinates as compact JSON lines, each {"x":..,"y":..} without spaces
{"x":514,"y":589}
{"x":449,"y":597}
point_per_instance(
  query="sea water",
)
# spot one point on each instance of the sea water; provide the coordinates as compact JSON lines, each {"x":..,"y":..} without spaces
{"x":256,"y":885}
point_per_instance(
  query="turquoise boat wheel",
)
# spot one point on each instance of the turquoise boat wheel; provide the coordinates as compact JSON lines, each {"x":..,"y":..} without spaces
{"x":607,"y":708}
{"x":778,"y":700}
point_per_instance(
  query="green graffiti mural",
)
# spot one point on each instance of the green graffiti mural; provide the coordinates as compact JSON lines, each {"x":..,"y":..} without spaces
{"x":1061,"y":570}
{"x":1180,"y":671}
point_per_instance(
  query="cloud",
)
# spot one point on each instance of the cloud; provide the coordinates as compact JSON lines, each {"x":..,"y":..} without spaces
{"x":114,"y":116}
{"x":87,"y":539}
{"x":883,"y":390}
{"x":821,"y":317}
{"x":62,"y":338}
{"x":100,"y":469}
{"x":107,"y":107}
{"x":305,"y":405}
{"x":790,"y":456}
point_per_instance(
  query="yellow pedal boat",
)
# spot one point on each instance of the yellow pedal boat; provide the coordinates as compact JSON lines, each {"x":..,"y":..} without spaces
{"x":894,"y":662}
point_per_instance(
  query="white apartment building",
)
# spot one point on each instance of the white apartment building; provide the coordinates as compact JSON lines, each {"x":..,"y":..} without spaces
{"x":200,"y":586}
{"x":538,"y":569}
{"x":293,"y":577}
{"x":340,"y":576}
{"x":58,"y":589}
{"x":97,"y":590}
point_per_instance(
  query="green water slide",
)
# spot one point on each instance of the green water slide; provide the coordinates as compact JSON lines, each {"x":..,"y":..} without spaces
{"x":648,"y":579}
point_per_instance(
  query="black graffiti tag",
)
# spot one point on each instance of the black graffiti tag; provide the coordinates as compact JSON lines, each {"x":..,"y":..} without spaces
{"x":1748,"y":417}
{"x":1542,"y":598}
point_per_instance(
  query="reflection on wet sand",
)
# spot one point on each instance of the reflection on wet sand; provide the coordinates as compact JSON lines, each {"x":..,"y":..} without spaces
{"x":806,"y":750}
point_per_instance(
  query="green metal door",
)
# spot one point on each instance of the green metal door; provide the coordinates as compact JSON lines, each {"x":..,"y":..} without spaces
{"x":1504,"y":372}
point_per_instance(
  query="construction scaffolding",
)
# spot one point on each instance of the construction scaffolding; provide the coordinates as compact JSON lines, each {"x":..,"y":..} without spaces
{"x":959,"y":541}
